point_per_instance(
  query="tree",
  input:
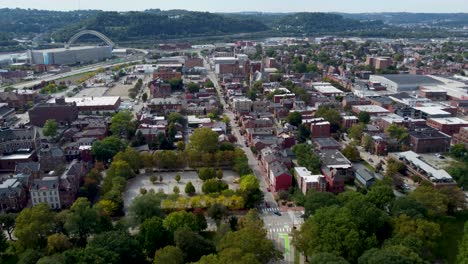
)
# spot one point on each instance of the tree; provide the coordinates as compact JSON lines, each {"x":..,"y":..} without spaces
{"x":192,"y":244}
{"x":206,"y":174}
{"x":126,"y":248}
{"x":426,"y":231}
{"x":204,"y":140}
{"x":327,"y":258}
{"x":462,"y":256}
{"x":175,"y":117}
{"x":106,"y":149}
{"x":294,"y":118}
{"x":82,"y":221}
{"x":397,"y":132}
{"x":352,"y":153}
{"x":120,"y":168}
{"x":364,"y":117}
{"x":250,"y":191}
{"x":329,"y":114}
{"x":176,"y":84}
{"x":176,"y":190}
{"x":7,"y":223}
{"x":193,"y":87}
{"x":107,"y":208}
{"x":180,"y":219}
{"x":459,"y":151}
{"x":304,"y":133}
{"x":201,"y":221}
{"x":332,"y":229}
{"x":145,"y":207}
{"x":209,"y":84}
{"x":177,"y":178}
{"x":307,"y":158}
{"x":250,"y":240}
{"x":368,"y":143}
{"x":435,"y":201}
{"x":131,"y":156}
{"x":34,"y":225}
{"x":144,"y":97}
{"x":217,"y":212}
{"x":219,"y":174}
{"x":153,"y":179}
{"x":57,"y":243}
{"x":409,"y":207}
{"x":152,"y":235}
{"x":122,"y":124}
{"x":50,"y":128}
{"x":189,"y":188}
{"x":355,"y":132}
{"x":214,"y":186}
{"x":316,"y":200}
{"x":381,"y":195}
{"x":399,"y":255}
{"x":169,"y":255}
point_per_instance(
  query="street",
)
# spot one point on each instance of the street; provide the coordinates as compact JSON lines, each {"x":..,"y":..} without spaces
{"x":279,"y":227}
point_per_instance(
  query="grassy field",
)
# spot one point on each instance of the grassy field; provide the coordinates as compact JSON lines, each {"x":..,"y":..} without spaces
{"x":452,"y":232}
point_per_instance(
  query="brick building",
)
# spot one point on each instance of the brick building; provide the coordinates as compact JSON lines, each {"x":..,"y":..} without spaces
{"x":62,"y":112}
{"x":449,"y":126}
{"x":166,"y":74}
{"x":428,"y":140}
{"x":461,"y":137}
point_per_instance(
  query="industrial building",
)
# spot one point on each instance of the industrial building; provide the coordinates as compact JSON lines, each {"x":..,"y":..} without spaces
{"x":403,"y":82}
{"x":70,"y":56}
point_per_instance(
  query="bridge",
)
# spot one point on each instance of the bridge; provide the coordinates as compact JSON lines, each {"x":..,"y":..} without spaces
{"x":103,"y":37}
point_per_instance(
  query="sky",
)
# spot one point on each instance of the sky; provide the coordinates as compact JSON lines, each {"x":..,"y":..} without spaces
{"x":349,"y":6}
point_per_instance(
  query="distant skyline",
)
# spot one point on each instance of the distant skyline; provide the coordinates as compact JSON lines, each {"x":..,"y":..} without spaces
{"x":348,"y":6}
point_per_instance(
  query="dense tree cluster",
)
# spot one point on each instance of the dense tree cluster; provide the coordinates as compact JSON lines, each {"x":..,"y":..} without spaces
{"x":377,"y":227}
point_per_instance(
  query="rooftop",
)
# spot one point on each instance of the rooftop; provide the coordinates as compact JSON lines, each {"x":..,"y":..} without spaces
{"x":334,"y":159}
{"x":450,"y":121}
{"x":411,"y":79}
{"x":416,"y":160}
{"x":370,"y":108}
{"x":91,"y":101}
{"x":306,"y":174}
{"x":430,"y":110}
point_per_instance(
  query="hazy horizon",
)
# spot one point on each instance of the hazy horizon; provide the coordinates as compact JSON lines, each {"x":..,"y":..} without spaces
{"x":274,"y":6}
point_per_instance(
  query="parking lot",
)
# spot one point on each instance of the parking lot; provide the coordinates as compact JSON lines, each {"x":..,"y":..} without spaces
{"x":167,"y":185}
{"x":94,"y":91}
{"x":119,"y":90}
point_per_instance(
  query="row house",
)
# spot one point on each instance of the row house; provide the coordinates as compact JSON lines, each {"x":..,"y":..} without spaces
{"x":307,"y":181}
{"x":79,"y":150}
{"x":13,"y":195}
{"x":18,"y":98}
{"x":336,"y":168}
{"x":18,"y":145}
{"x":159,"y":89}
{"x":275,"y":166}
{"x":165,"y":105}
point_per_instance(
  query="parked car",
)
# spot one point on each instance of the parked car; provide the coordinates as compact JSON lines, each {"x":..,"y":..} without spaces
{"x":277,"y":213}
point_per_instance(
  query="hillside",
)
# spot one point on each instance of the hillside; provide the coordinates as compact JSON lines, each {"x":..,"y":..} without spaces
{"x":25,"y":21}
{"x":307,"y":23}
{"x":129,"y":25}
{"x":434,"y":19}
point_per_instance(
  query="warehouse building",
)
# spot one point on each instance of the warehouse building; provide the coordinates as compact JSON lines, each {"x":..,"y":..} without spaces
{"x":404,"y":82}
{"x":70,"y":56}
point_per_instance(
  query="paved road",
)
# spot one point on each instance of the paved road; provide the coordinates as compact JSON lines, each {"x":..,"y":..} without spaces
{"x":279,"y":227}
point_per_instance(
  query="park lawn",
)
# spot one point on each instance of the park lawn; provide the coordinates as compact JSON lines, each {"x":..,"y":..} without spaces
{"x":452,"y":233}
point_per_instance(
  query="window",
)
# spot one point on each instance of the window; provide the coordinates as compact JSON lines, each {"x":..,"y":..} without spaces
{"x":44,"y":193}
{"x":57,"y":206}
{"x":56,"y":199}
{"x":34,"y":200}
{"x":40,"y":201}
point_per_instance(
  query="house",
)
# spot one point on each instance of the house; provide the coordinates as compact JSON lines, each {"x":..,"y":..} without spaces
{"x":349,"y":121}
{"x":326,"y":143}
{"x":13,"y":196}
{"x":320,"y":129}
{"x":51,"y":157}
{"x":307,"y":181}
{"x":165,"y":105}
{"x":336,"y":168}
{"x":166,"y":74}
{"x":18,"y":145}
{"x":159,"y":89}
{"x":46,"y":190}
{"x":70,"y":180}
{"x":18,"y":98}
{"x":33,"y":169}
{"x":279,"y":176}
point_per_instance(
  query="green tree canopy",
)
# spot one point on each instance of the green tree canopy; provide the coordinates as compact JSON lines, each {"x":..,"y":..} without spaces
{"x":145,"y":207}
{"x":327,"y":258}
{"x":316,"y":200}
{"x":121,"y":243}
{"x":214,"y":186}
{"x":169,"y":255}
{"x":192,"y":244}
{"x":204,"y":140}
{"x":189,"y":188}
{"x":34,"y":225}
{"x":153,"y":235}
{"x":294,"y":118}
{"x":364,"y":117}
{"x":50,"y":128}
{"x":105,"y":149}
{"x":180,"y":219}
{"x":122,"y":124}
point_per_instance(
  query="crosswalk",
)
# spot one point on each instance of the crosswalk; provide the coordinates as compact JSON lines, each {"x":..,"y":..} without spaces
{"x":271,"y":209}
{"x":280,"y":230}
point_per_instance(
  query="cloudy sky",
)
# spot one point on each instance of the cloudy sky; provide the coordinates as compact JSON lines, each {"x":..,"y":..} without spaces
{"x":352,"y":6}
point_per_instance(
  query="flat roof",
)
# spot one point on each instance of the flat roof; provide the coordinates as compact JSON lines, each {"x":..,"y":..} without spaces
{"x":332,"y":158}
{"x":430,"y":110}
{"x":410,"y":79}
{"x":90,"y":101}
{"x":450,"y":121}
{"x":304,"y":173}
{"x":415,"y":159}
{"x":370,"y":108}
{"x":327,"y":89}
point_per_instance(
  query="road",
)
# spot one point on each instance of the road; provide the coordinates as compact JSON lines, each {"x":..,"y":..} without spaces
{"x":50,"y":77}
{"x":279,"y":225}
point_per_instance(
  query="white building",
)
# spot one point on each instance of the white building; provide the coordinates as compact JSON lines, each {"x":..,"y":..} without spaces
{"x":242,"y":104}
{"x":307,"y":181}
{"x":46,"y":190}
